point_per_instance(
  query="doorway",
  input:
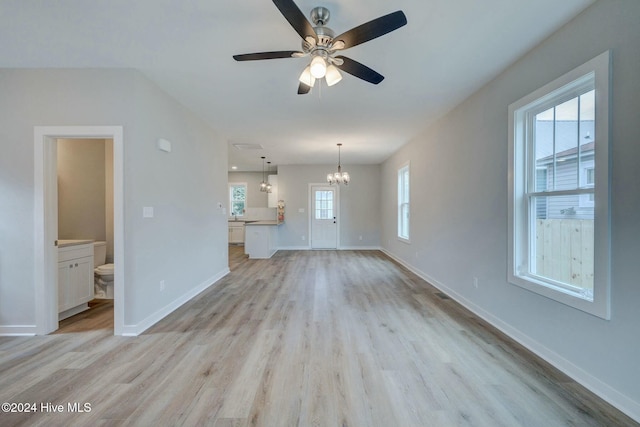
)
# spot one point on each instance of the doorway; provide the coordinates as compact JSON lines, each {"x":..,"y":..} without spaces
{"x":46,"y":220}
{"x":324,"y":217}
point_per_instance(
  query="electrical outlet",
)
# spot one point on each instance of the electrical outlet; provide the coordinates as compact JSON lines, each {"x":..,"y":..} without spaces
{"x":360,"y":238}
{"x":304,"y":237}
{"x":161,"y":285}
{"x":475,"y":282}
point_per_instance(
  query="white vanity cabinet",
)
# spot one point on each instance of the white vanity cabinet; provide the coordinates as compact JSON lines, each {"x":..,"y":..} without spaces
{"x":75,"y":278}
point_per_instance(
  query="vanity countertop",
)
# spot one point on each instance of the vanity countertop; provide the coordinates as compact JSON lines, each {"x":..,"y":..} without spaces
{"x":65,"y":243}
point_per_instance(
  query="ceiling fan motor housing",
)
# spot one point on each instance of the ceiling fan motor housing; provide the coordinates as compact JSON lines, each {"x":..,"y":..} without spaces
{"x":320,"y":17}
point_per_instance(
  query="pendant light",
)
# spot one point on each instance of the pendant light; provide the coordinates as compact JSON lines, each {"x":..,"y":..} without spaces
{"x":338,"y":177}
{"x":268,"y":189}
{"x":263,"y":184}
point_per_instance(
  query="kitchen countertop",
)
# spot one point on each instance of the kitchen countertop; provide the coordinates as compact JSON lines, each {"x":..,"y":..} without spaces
{"x":266,"y":222}
{"x":65,"y":243}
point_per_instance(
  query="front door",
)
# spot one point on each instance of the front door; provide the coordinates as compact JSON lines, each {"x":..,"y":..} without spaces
{"x":324,"y":229}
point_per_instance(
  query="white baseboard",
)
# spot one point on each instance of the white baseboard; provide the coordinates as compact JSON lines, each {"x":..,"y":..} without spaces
{"x":603,"y":390}
{"x":73,"y":311}
{"x":18,"y":330}
{"x":359,"y":248}
{"x":135,"y":330}
{"x":342,"y":248}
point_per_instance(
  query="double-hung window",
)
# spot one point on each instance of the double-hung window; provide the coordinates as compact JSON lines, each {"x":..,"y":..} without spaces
{"x":558,"y":189}
{"x":237,"y":198}
{"x":403,"y":202}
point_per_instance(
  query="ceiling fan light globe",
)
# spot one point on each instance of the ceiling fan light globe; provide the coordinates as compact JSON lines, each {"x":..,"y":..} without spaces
{"x":318,"y":67}
{"x":333,"y":75}
{"x":307,"y":78}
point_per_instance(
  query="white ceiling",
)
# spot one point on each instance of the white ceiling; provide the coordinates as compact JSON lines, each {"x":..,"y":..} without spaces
{"x":447,"y":50}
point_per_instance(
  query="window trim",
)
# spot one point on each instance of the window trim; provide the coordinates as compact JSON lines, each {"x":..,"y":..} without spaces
{"x":598,"y":68}
{"x":246,"y":197}
{"x":407,"y":239}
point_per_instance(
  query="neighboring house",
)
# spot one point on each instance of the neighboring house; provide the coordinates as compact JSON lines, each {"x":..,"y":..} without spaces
{"x":566,"y":168}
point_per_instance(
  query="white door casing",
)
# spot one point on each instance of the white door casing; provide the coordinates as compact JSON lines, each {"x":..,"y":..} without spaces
{"x":46,"y":219}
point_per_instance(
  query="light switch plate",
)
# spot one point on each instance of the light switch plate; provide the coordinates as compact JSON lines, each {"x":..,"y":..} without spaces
{"x":147,"y":212}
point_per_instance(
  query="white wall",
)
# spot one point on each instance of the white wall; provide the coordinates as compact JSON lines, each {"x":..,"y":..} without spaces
{"x":81,"y":189}
{"x":185,"y":244}
{"x":459,"y":207}
{"x":359,"y":204}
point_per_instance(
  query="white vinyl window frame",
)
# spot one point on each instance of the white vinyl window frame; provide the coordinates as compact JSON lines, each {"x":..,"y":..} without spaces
{"x":404,"y":203}
{"x":595,"y":72}
{"x":232,"y":185}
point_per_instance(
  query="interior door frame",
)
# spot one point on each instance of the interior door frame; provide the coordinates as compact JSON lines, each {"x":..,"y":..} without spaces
{"x":311,"y":213}
{"x":46,"y":220}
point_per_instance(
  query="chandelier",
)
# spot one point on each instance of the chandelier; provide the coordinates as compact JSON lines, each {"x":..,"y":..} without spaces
{"x":338,"y":177}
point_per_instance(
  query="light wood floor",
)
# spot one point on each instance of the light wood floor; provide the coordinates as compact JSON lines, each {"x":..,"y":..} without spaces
{"x":308,"y":338}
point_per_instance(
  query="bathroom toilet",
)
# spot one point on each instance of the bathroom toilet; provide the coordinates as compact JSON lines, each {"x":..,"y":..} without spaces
{"x":102,"y":273}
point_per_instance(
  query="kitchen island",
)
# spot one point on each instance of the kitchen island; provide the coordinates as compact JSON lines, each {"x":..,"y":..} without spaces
{"x":261,"y":239}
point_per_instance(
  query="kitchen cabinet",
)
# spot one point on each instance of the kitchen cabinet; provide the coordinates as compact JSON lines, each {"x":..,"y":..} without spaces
{"x":261,"y":240}
{"x":272,"y":198}
{"x":75,"y":279}
{"x":236,"y":232}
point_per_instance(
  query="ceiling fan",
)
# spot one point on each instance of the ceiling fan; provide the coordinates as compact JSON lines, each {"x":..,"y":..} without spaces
{"x":323,"y":46}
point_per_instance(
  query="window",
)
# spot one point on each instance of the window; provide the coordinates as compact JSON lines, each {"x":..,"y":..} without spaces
{"x":558,"y":205}
{"x":237,"y":198}
{"x":324,"y":205}
{"x":403,"y":203}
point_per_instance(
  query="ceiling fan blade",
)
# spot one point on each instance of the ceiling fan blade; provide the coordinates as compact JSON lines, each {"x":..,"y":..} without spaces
{"x":267,"y":55}
{"x":303,"y":88}
{"x":296,"y":18}
{"x":372,"y":29}
{"x":358,"y":70}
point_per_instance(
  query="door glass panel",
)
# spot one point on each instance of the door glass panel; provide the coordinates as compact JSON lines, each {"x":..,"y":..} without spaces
{"x":324,"y":205}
